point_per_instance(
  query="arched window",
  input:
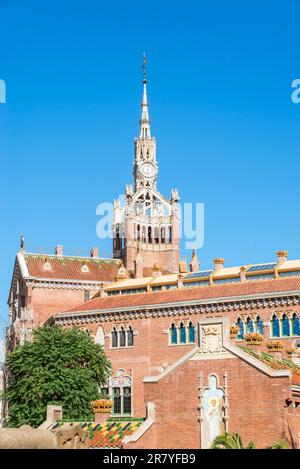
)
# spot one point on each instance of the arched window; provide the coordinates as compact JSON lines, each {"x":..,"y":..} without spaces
{"x":149,"y":234}
{"x":191,"y":331}
{"x":117,"y":400}
{"x":249,"y":326}
{"x":163,"y":234}
{"x":156,"y":235}
{"x":126,"y":400}
{"x":285,"y":326}
{"x":170,"y":234}
{"x":138,"y":232}
{"x":259,"y":325}
{"x":130,"y":337}
{"x":240,"y":325}
{"x":173,"y":334}
{"x":114,"y":338}
{"x":120,"y":390}
{"x":122,"y":337}
{"x":143,"y":234}
{"x":295,"y":324}
{"x":275,"y":326}
{"x":182,"y":332}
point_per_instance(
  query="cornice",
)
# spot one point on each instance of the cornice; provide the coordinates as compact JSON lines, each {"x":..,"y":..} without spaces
{"x":188,"y":307}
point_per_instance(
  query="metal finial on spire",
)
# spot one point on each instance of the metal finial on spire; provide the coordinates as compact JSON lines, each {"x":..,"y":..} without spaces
{"x":144,"y":67}
{"x":22,"y":242}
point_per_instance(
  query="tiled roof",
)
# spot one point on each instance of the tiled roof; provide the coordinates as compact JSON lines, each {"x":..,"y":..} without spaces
{"x":70,"y":268}
{"x":108,"y":434}
{"x":288,"y":284}
{"x":276,"y":364}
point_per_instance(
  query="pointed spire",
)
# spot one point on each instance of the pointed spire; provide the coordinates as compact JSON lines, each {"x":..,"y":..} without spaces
{"x":145,"y":121}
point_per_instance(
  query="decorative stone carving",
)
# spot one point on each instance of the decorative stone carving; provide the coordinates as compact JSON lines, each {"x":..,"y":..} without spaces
{"x":211,"y":338}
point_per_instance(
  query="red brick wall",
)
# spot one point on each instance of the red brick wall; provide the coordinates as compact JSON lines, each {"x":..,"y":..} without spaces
{"x":256,"y":403}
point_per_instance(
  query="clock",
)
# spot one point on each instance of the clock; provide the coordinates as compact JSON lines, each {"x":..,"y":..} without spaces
{"x":148,"y":170}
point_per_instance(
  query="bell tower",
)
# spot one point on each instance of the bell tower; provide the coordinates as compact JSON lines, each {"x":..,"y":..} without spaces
{"x":146,"y":229}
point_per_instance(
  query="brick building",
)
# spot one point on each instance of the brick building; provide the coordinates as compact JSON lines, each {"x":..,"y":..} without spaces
{"x":194,"y":353}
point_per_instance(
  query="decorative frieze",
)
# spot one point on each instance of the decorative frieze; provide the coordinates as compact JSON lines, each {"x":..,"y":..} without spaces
{"x":175,"y":310}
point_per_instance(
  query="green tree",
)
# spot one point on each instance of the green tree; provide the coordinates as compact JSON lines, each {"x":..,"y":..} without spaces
{"x":62,"y":366}
{"x":230,"y":441}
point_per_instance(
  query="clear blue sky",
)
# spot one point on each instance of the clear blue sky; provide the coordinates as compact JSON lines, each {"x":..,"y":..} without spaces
{"x":220,"y":78}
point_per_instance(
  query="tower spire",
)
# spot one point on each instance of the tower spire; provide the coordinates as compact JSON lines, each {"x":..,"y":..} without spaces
{"x":145,"y":121}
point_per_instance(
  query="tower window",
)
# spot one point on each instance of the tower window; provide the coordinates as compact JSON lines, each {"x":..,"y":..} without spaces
{"x":170,"y":234}
{"x":156,"y":235}
{"x":149,"y":234}
{"x":163,"y":234}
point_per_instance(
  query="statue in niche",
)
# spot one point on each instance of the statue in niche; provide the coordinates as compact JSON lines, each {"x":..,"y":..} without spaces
{"x":212,"y":412}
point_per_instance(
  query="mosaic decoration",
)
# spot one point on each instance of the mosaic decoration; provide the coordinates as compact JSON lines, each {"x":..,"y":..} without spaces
{"x":108,"y":434}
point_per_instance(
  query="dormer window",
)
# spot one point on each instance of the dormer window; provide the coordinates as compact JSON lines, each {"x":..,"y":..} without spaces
{"x":47,"y":265}
{"x":84,"y":269}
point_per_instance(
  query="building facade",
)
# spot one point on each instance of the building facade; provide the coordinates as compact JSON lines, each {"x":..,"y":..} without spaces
{"x":195,"y":352}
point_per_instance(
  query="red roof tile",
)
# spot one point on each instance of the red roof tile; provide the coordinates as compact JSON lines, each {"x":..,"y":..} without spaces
{"x":188,"y":294}
{"x":69,"y":268}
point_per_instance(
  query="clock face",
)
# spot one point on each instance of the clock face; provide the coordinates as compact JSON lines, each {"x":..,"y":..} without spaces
{"x":148,"y":170}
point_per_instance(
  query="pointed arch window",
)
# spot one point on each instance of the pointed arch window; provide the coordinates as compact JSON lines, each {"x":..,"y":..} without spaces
{"x":114,"y":338}
{"x":122,"y":337}
{"x":285,"y":322}
{"x":275,"y":326}
{"x":240,"y":325}
{"x":173,"y":334}
{"x":130,"y":337}
{"x":182,"y":333}
{"x":156,"y":235}
{"x":143,"y":234}
{"x":191,"y":332}
{"x":163,"y":234}
{"x":259,"y":325}
{"x":295,"y":324}
{"x":170,"y":234}
{"x":249,"y":326}
{"x":138,"y":232}
{"x":149,"y":234}
{"x":117,"y":400}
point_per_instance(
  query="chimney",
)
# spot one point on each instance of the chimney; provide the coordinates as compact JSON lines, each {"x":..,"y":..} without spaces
{"x":282,"y":256}
{"x":243,"y":273}
{"x":180,"y":281}
{"x":95,"y":253}
{"x":219,"y":263}
{"x":194,"y":264}
{"x":59,"y":250}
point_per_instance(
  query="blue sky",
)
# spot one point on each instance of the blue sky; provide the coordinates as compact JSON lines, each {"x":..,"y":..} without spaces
{"x":227,"y":131}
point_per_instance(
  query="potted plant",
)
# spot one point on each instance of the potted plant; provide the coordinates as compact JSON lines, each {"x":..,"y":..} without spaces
{"x":275,"y":347}
{"x":254,"y":340}
{"x":233,"y":331}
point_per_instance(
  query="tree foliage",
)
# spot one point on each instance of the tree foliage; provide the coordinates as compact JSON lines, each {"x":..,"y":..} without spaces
{"x":234,"y":441}
{"x":230,"y":441}
{"x":59,"y":366}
